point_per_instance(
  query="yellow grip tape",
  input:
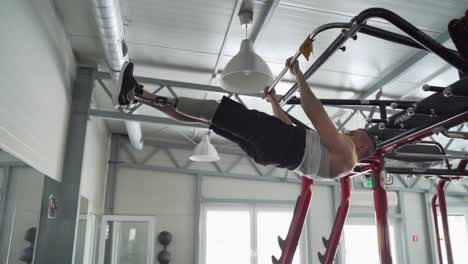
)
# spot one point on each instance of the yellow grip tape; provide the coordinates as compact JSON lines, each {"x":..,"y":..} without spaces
{"x":307,"y":48}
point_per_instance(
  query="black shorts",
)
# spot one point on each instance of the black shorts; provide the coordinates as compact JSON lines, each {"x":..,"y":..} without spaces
{"x":265,"y":138}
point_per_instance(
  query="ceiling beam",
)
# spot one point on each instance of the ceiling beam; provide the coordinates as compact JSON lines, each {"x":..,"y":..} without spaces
{"x":222,"y":149}
{"x":142,"y":118}
{"x":173,"y":84}
{"x":212,"y":88}
{"x":272,"y":5}
{"x":400,"y":69}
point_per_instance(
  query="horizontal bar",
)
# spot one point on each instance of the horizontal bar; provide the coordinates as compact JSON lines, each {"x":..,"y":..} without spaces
{"x":424,"y":171}
{"x":141,"y":118}
{"x":453,"y":134}
{"x":347,"y":102}
{"x":429,"y":156}
{"x":246,"y":201}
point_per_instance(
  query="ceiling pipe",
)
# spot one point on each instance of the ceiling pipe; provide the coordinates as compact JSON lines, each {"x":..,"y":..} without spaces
{"x":111,"y":32}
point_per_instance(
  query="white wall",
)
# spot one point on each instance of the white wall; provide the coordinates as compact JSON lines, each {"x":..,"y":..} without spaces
{"x":94,"y":171}
{"x":37,"y":70}
{"x":170,"y":197}
{"x":417,"y":225}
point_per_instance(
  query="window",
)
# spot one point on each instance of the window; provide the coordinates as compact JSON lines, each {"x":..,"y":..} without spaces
{"x":361,"y":240}
{"x":245,"y":235}
{"x":228,"y":237}
{"x":458,"y":238}
{"x":270,"y":224}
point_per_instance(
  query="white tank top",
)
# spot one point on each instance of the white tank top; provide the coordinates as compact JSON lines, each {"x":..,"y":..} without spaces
{"x":315,"y":163}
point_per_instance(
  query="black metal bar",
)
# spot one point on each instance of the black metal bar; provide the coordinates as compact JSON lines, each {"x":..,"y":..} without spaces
{"x":298,"y":123}
{"x":422,"y":171}
{"x":383,"y":111}
{"x":430,"y":88}
{"x":415,"y":33}
{"x":423,"y":131}
{"x":402,"y":103}
{"x":393,"y":37}
{"x":390,"y":36}
{"x":376,"y":121}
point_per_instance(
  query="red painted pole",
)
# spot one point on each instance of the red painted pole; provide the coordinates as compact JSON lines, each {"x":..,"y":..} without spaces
{"x":340,"y":219}
{"x":381,"y":212}
{"x":443,"y":215}
{"x":436,"y":226}
{"x":297,"y":222}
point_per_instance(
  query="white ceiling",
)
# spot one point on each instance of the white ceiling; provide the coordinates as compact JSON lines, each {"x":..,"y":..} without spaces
{"x":181,"y":40}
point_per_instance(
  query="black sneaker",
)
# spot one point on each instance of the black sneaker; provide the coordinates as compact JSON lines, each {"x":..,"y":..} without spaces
{"x":127,"y":87}
{"x":458,"y":29}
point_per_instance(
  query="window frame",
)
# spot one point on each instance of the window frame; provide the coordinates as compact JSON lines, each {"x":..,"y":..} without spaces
{"x":393,"y":221}
{"x":253,"y":209}
{"x":453,"y":209}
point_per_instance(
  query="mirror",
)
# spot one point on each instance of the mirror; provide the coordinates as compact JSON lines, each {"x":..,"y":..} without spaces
{"x":81,"y":231}
{"x":21,"y":190}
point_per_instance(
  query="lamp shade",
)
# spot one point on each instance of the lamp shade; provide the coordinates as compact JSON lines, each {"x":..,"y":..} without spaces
{"x":246,"y":73}
{"x":204,"y":151}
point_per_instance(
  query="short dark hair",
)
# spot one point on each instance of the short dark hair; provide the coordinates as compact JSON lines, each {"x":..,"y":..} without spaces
{"x":373,"y":140}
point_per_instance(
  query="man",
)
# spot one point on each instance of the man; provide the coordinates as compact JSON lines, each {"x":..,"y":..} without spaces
{"x":269,"y":140}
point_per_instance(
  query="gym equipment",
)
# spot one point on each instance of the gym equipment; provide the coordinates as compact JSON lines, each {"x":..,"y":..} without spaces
{"x":28,"y":252}
{"x":447,"y":107}
{"x":165,"y":238}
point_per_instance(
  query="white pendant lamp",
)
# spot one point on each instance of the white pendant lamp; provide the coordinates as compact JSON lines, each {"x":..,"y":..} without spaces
{"x":204,"y":151}
{"x":246,"y":73}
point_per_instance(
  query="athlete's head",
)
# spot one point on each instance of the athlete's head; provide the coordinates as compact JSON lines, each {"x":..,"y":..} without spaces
{"x":364,"y":142}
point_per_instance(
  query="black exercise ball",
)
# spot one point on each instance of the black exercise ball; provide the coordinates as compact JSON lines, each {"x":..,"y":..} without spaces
{"x":165,"y":238}
{"x":30,"y":235}
{"x":164,"y":257}
{"x":27,"y":254}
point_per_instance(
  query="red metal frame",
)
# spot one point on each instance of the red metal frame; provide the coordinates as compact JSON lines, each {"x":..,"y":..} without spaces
{"x":297,"y":222}
{"x":436,"y":226}
{"x":381,"y":210}
{"x":443,"y":216}
{"x":340,"y":219}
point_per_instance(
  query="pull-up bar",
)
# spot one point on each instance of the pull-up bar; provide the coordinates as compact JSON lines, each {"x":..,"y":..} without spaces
{"x":418,"y":39}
